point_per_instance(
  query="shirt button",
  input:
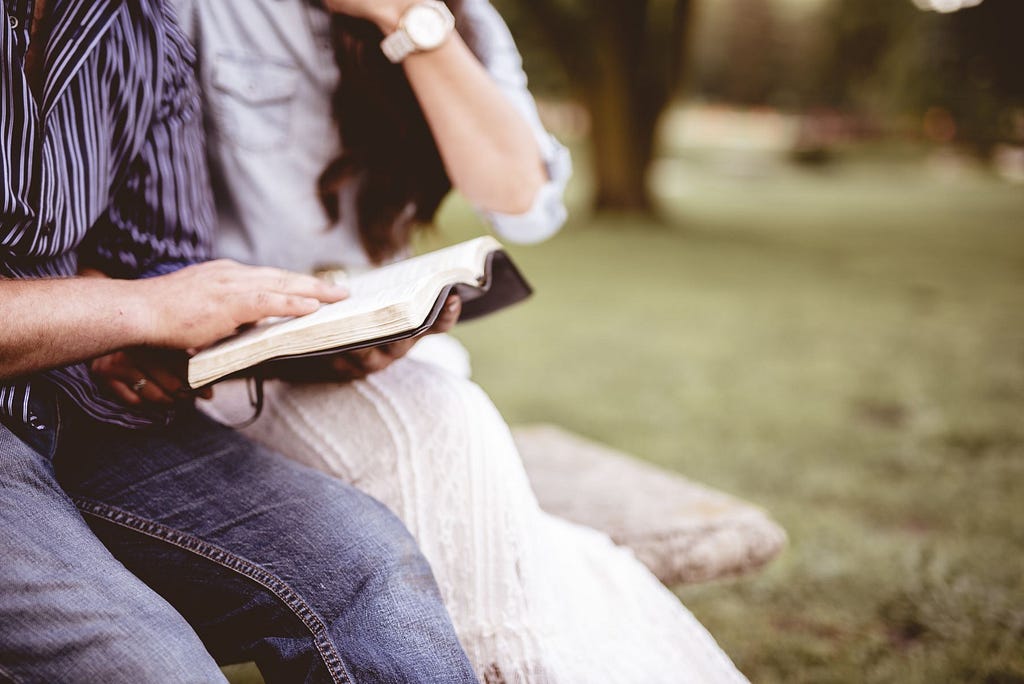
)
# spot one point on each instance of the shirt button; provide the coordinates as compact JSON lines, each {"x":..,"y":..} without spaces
{"x":13,"y":21}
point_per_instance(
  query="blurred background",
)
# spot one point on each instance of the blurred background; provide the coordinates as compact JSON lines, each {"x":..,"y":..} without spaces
{"x":795,"y":271}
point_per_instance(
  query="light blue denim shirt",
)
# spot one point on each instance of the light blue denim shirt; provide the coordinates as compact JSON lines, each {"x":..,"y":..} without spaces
{"x":268,"y":74}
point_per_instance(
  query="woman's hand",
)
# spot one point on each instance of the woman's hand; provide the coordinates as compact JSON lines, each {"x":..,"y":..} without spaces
{"x":146,"y":376}
{"x":355,"y":365}
{"x":385,"y":13}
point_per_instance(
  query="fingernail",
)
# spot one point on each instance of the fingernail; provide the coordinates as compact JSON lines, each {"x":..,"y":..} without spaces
{"x":453,"y":307}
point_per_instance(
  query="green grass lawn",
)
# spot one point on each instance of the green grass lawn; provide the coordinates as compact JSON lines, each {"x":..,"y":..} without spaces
{"x":845,"y":348}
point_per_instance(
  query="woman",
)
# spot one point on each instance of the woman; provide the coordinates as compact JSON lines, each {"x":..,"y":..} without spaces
{"x":325,"y":154}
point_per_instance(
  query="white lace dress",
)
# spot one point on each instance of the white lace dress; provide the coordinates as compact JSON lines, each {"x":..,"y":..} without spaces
{"x":535,"y":599}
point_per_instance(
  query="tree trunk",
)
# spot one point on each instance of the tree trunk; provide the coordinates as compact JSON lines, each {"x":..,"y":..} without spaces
{"x":621,"y":155}
{"x":622,"y":135}
{"x":625,"y":58}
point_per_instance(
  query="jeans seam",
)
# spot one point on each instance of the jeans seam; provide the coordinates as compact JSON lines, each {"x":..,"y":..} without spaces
{"x":279,"y":588}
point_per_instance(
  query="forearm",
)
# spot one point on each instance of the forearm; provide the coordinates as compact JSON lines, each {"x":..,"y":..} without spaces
{"x":53,"y":323}
{"x":487,"y":146}
{"x":57,"y":322}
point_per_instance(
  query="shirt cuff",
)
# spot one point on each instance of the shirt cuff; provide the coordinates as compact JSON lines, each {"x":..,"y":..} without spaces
{"x":165,"y":267}
{"x":548,"y":213}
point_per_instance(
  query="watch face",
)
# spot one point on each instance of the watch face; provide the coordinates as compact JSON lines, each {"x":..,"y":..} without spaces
{"x":427,"y":26}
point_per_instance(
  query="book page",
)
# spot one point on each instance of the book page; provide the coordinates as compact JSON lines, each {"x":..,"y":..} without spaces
{"x":385,"y":295}
{"x":399,"y":283}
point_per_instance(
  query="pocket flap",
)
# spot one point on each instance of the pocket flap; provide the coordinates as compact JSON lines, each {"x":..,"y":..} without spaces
{"x":254,"y":79}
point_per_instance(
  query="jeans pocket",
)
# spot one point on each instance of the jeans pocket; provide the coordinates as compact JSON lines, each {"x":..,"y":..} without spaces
{"x":253,"y":99}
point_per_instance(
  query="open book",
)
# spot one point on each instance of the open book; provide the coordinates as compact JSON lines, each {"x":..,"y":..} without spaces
{"x":385,"y":305}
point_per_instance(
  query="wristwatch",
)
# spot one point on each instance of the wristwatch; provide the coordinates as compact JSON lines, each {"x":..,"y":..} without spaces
{"x":425,"y":26}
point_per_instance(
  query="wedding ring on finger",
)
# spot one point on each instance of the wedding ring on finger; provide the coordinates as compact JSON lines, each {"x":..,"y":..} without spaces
{"x":139,"y":385}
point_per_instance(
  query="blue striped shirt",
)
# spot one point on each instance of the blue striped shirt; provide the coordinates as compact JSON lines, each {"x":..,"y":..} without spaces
{"x":107,"y":169}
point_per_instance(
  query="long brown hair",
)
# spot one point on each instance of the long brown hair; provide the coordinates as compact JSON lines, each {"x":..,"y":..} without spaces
{"x":387,"y":147}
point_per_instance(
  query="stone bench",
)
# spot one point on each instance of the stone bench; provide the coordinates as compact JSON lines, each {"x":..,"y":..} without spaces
{"x":684,"y":532}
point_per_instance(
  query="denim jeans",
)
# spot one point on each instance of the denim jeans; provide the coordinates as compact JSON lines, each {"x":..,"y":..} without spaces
{"x":152,"y":556}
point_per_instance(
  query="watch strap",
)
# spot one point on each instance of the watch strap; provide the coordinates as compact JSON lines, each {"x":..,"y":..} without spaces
{"x":398,"y":46}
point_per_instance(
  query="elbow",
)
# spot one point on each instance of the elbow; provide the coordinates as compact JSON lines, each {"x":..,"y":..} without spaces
{"x":519,"y":192}
{"x":534,"y":209}
{"x":544,"y":219}
{"x":519,"y":202}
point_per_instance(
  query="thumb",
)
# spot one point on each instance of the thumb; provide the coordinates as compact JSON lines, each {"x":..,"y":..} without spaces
{"x":449,"y":315}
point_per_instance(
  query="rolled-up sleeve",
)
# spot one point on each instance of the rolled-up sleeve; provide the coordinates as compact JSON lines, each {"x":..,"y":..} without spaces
{"x":161,"y":218}
{"x":505,"y":65}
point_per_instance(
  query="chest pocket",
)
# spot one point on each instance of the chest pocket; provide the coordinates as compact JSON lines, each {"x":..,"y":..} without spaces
{"x":253,"y":101}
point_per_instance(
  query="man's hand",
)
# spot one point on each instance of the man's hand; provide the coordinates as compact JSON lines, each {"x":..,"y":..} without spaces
{"x":354,"y":365}
{"x":137,"y":376}
{"x":198,"y":305}
{"x":195,"y":307}
{"x":58,"y":321}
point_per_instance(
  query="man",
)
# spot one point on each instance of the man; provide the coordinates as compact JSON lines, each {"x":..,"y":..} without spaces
{"x":199,"y":547}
